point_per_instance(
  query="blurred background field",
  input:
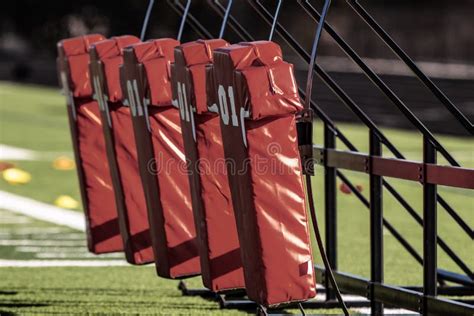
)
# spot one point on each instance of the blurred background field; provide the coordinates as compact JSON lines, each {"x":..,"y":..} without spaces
{"x":34,"y":118}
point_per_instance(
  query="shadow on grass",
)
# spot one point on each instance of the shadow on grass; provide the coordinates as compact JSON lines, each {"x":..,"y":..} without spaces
{"x":20,"y":305}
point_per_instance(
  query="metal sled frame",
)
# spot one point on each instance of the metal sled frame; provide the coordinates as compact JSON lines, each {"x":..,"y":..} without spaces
{"x":427,"y":172}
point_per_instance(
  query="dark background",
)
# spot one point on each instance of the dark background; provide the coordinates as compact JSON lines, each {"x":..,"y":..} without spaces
{"x":439,"y":32}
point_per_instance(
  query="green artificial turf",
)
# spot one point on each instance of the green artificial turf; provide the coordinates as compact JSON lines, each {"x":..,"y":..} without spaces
{"x":112,"y":290}
{"x":84,"y":290}
{"x":35,"y":118}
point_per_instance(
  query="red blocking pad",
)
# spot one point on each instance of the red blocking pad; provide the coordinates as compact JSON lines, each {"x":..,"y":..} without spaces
{"x":106,"y":58}
{"x":258,"y":101}
{"x":146,"y":74}
{"x":213,"y":212}
{"x":95,"y":183}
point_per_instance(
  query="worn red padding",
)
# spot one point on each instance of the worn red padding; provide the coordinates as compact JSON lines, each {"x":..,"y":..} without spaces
{"x":122,"y":153}
{"x":161,"y":158}
{"x":259,"y":134}
{"x":89,"y":147}
{"x":213,"y":212}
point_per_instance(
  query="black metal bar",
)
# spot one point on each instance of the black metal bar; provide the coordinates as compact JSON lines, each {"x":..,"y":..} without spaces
{"x":429,"y":228}
{"x":456,"y":278}
{"x":446,"y":290}
{"x":185,"y":291}
{"x":236,"y":297}
{"x":313,"y":304}
{"x":391,"y":95}
{"x":385,"y":37}
{"x":397,"y":296}
{"x":458,"y":219}
{"x":330,"y":205}
{"x":376,"y":226}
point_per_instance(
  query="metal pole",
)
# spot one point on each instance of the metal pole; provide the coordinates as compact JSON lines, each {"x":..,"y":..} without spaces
{"x":147,"y":18}
{"x":376,"y":226}
{"x":330,"y":203}
{"x":275,"y":18}
{"x":224,"y":20}
{"x":306,"y":125}
{"x":429,"y":226}
{"x":183,"y":20}
{"x":314,"y":53}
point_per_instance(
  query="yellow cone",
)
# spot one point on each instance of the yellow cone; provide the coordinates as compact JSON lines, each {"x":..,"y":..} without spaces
{"x":16,"y":176}
{"x":63,"y":163}
{"x":65,"y":201}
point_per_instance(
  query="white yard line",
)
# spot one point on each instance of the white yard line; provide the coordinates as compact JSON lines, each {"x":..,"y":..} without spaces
{"x":41,"y":243}
{"x":31,"y":230}
{"x":8,"y":152}
{"x":347,"y":298}
{"x":60,"y":236}
{"x":61,"y":263}
{"x":386,"y":311}
{"x":14,"y":153}
{"x":366,"y":310}
{"x":57,"y":249}
{"x":42,"y":211}
{"x":14,"y":220}
{"x":80,"y":255}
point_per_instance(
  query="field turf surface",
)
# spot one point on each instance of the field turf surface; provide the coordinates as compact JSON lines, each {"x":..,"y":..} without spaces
{"x":34,"y":118}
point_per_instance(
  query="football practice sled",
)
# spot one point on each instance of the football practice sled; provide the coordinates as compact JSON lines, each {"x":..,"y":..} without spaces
{"x":258,"y":102}
{"x":95,"y":183}
{"x":156,"y":126}
{"x":221,"y":263}
{"x":106,"y":58}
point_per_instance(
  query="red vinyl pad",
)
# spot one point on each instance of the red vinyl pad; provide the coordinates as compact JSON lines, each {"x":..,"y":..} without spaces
{"x":257,"y":105}
{"x":213,"y":212}
{"x":89,"y":146}
{"x":161,"y":157}
{"x":106,"y":58}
